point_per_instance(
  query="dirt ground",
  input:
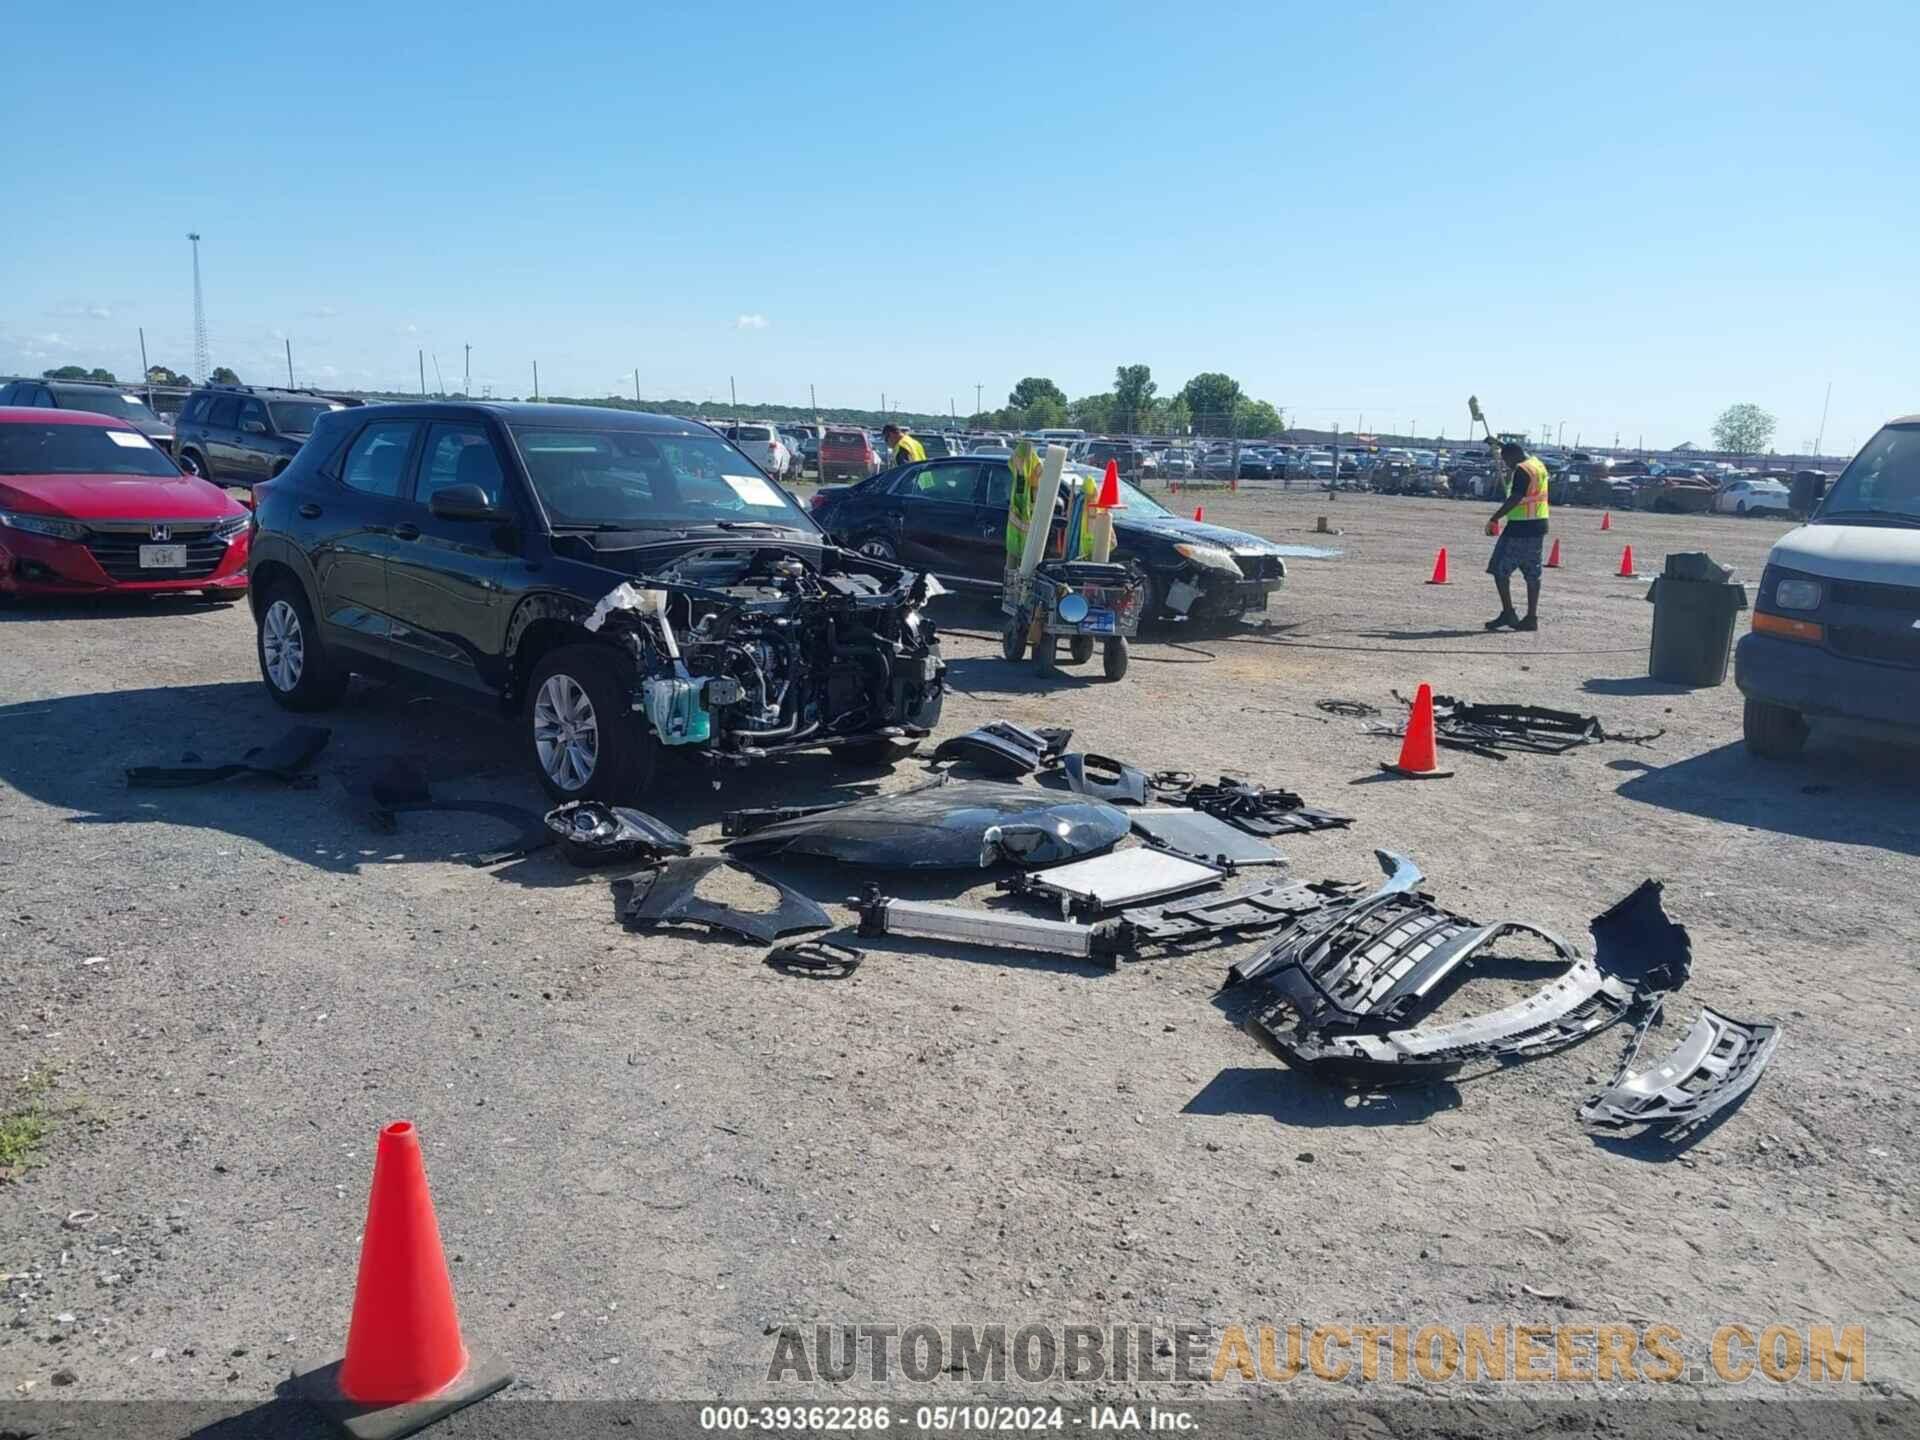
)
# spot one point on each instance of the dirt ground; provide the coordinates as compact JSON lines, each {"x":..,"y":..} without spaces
{"x":650,"y":1153}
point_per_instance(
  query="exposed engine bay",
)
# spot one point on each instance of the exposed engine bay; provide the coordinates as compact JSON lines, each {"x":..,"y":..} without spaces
{"x":746,"y":649}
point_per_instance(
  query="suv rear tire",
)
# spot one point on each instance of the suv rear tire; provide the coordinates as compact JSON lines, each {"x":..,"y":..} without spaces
{"x":585,"y":741}
{"x":299,"y":674}
{"x":193,"y":463}
{"x":1773,"y":732}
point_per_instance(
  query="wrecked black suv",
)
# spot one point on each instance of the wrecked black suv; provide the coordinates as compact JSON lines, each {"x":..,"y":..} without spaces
{"x":630,"y":582}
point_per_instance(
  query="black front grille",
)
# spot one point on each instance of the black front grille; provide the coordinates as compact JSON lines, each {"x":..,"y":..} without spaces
{"x":1876,"y":597}
{"x":1887,"y":647}
{"x":118,"y":553}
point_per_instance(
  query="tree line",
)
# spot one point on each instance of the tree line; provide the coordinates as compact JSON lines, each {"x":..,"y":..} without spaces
{"x":1211,"y":403}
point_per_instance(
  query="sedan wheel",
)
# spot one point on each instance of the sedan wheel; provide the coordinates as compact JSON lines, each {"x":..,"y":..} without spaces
{"x":566,"y":732}
{"x":283,"y":645}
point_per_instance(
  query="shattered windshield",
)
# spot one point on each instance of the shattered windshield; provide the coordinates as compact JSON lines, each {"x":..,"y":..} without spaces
{"x":1883,"y":480}
{"x":616,"y":479}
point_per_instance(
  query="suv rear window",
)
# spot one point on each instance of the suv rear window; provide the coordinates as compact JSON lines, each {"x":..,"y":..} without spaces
{"x":751,"y":432}
{"x":845,"y":437}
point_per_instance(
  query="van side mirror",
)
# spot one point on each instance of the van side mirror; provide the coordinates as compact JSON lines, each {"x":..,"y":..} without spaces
{"x":1808,"y":491}
{"x":465,"y":502}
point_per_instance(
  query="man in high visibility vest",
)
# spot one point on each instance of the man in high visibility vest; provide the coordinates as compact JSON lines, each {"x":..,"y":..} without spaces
{"x":902,"y":448}
{"x":1521,"y":542}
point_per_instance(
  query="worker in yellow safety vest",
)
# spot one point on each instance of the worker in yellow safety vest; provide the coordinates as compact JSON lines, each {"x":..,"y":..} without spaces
{"x":902,"y":448}
{"x":1522,"y":541}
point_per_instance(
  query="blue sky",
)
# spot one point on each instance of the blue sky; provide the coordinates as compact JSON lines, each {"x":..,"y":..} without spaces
{"x":1623,"y":217}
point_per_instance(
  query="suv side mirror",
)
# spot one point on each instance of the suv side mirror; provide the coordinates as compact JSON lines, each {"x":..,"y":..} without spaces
{"x":465,"y":502}
{"x":254,"y":427}
{"x":1808,"y":491}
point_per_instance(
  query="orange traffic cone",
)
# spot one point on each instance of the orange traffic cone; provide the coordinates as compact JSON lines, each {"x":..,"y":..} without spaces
{"x":1419,"y":755}
{"x":1553,"y":557}
{"x":1109,"y":496}
{"x":1626,"y":563}
{"x":1200,"y":512}
{"x":406,"y":1365}
{"x":1606,"y":519}
{"x":1439,"y":568}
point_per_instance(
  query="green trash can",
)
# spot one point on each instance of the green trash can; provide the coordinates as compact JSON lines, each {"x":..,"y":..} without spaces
{"x":1693,"y":623}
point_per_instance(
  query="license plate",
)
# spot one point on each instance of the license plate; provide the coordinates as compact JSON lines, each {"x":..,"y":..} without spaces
{"x":163,"y":557}
{"x":1098,"y":622}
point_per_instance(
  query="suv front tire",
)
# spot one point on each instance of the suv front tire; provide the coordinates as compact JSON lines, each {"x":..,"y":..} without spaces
{"x":585,"y":740}
{"x":299,"y":674}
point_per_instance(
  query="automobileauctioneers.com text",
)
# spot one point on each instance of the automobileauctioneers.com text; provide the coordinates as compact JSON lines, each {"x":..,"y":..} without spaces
{"x":1734,"y":1353}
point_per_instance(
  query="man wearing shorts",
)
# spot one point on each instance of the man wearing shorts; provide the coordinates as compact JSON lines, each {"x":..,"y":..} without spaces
{"x":1521,"y":542}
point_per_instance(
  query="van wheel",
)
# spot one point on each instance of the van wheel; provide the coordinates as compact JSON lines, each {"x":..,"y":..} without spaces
{"x":1773,"y":732}
{"x":586,"y":743}
{"x":300,"y":675}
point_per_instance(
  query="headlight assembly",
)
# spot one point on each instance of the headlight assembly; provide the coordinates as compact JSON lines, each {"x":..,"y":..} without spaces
{"x":43,"y":525}
{"x":1208,"y":557}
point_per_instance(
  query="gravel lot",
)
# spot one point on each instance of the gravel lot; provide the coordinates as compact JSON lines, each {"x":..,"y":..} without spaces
{"x":647,"y":1153}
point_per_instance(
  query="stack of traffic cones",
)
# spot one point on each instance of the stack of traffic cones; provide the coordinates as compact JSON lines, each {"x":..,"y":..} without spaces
{"x":1419,"y":752}
{"x":406,"y":1365}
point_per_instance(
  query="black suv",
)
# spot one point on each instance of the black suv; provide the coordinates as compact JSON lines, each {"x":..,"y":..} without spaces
{"x":119,"y":401}
{"x":239,"y":435}
{"x":630,"y":582}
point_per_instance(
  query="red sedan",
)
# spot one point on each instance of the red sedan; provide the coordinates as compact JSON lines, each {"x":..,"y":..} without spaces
{"x":88,"y":506}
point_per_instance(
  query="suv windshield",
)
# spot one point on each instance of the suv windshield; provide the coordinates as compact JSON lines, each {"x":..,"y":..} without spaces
{"x":121,"y":406}
{"x":29,"y":449}
{"x":297,"y":417}
{"x":1883,"y":480}
{"x":632,"y":480}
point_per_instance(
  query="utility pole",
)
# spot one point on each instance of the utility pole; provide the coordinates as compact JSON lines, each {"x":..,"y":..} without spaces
{"x":976,"y":397}
{"x":1817,"y":439}
{"x":439,"y":380}
{"x":813,"y":400}
{"x":201,"y":363}
{"x":1562,"y":440}
{"x":536,"y":380}
{"x":735,"y":395}
{"x":144,"y":367}
{"x":953,"y":412}
{"x":466,"y":376}
{"x":289,"y":340}
{"x":636,"y":384}
{"x":422,"y":354}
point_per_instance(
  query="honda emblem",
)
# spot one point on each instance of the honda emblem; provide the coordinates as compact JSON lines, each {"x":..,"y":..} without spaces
{"x":162,"y":533}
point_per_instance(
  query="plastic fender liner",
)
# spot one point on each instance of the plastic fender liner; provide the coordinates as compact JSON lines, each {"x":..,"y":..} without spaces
{"x":1635,"y":940}
{"x":666,"y":896}
{"x":1258,"y":810}
{"x":1716,"y":1062}
{"x":1005,"y":749}
{"x":286,"y":760}
{"x":1572,"y":1008}
{"x":1105,"y":778}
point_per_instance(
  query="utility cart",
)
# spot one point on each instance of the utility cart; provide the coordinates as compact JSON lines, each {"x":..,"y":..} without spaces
{"x":1082,"y":601}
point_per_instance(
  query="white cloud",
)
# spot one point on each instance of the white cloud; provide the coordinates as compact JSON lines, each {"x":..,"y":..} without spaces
{"x":322,"y":312}
{"x":99,"y":312}
{"x":753,"y":321}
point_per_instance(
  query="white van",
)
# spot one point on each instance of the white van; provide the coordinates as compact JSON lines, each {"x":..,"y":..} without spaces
{"x":1836,"y":625}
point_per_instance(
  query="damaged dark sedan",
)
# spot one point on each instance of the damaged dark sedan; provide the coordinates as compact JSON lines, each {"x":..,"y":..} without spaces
{"x":628,"y":583}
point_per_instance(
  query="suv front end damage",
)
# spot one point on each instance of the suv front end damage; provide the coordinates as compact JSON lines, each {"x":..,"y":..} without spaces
{"x":743,"y":651}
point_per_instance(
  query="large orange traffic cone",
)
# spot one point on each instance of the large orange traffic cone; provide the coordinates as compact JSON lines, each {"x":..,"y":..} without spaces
{"x":1439,"y":568}
{"x":406,"y":1365}
{"x":1419,"y":755}
{"x":1553,"y":557}
{"x":1606,"y":519}
{"x":1200,"y":512}
{"x":1626,"y":563}
{"x":1109,"y":496}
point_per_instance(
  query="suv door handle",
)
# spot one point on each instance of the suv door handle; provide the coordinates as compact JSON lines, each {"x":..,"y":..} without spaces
{"x":310,"y":511}
{"x":406,"y":532}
